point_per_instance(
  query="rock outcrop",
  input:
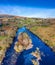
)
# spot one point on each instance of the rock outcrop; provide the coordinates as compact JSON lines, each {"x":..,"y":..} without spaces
{"x":24,"y":42}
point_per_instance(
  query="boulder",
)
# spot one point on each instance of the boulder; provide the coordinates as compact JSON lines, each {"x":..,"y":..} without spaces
{"x":24,"y":42}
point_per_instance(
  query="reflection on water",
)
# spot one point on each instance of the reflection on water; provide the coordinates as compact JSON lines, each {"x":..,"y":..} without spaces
{"x":29,"y":56}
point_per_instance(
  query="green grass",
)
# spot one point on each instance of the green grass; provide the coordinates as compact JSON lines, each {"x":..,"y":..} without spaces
{"x":0,"y":48}
{"x":2,"y":37}
{"x":34,"y":28}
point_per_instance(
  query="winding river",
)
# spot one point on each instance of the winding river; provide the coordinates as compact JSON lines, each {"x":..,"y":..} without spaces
{"x":24,"y":58}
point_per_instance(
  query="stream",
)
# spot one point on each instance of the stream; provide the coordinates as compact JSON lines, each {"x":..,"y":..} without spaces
{"x":24,"y":58}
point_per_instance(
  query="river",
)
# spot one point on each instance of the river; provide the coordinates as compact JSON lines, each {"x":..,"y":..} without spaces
{"x":24,"y":58}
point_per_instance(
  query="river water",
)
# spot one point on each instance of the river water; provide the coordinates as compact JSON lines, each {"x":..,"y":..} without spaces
{"x":25,"y":57}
